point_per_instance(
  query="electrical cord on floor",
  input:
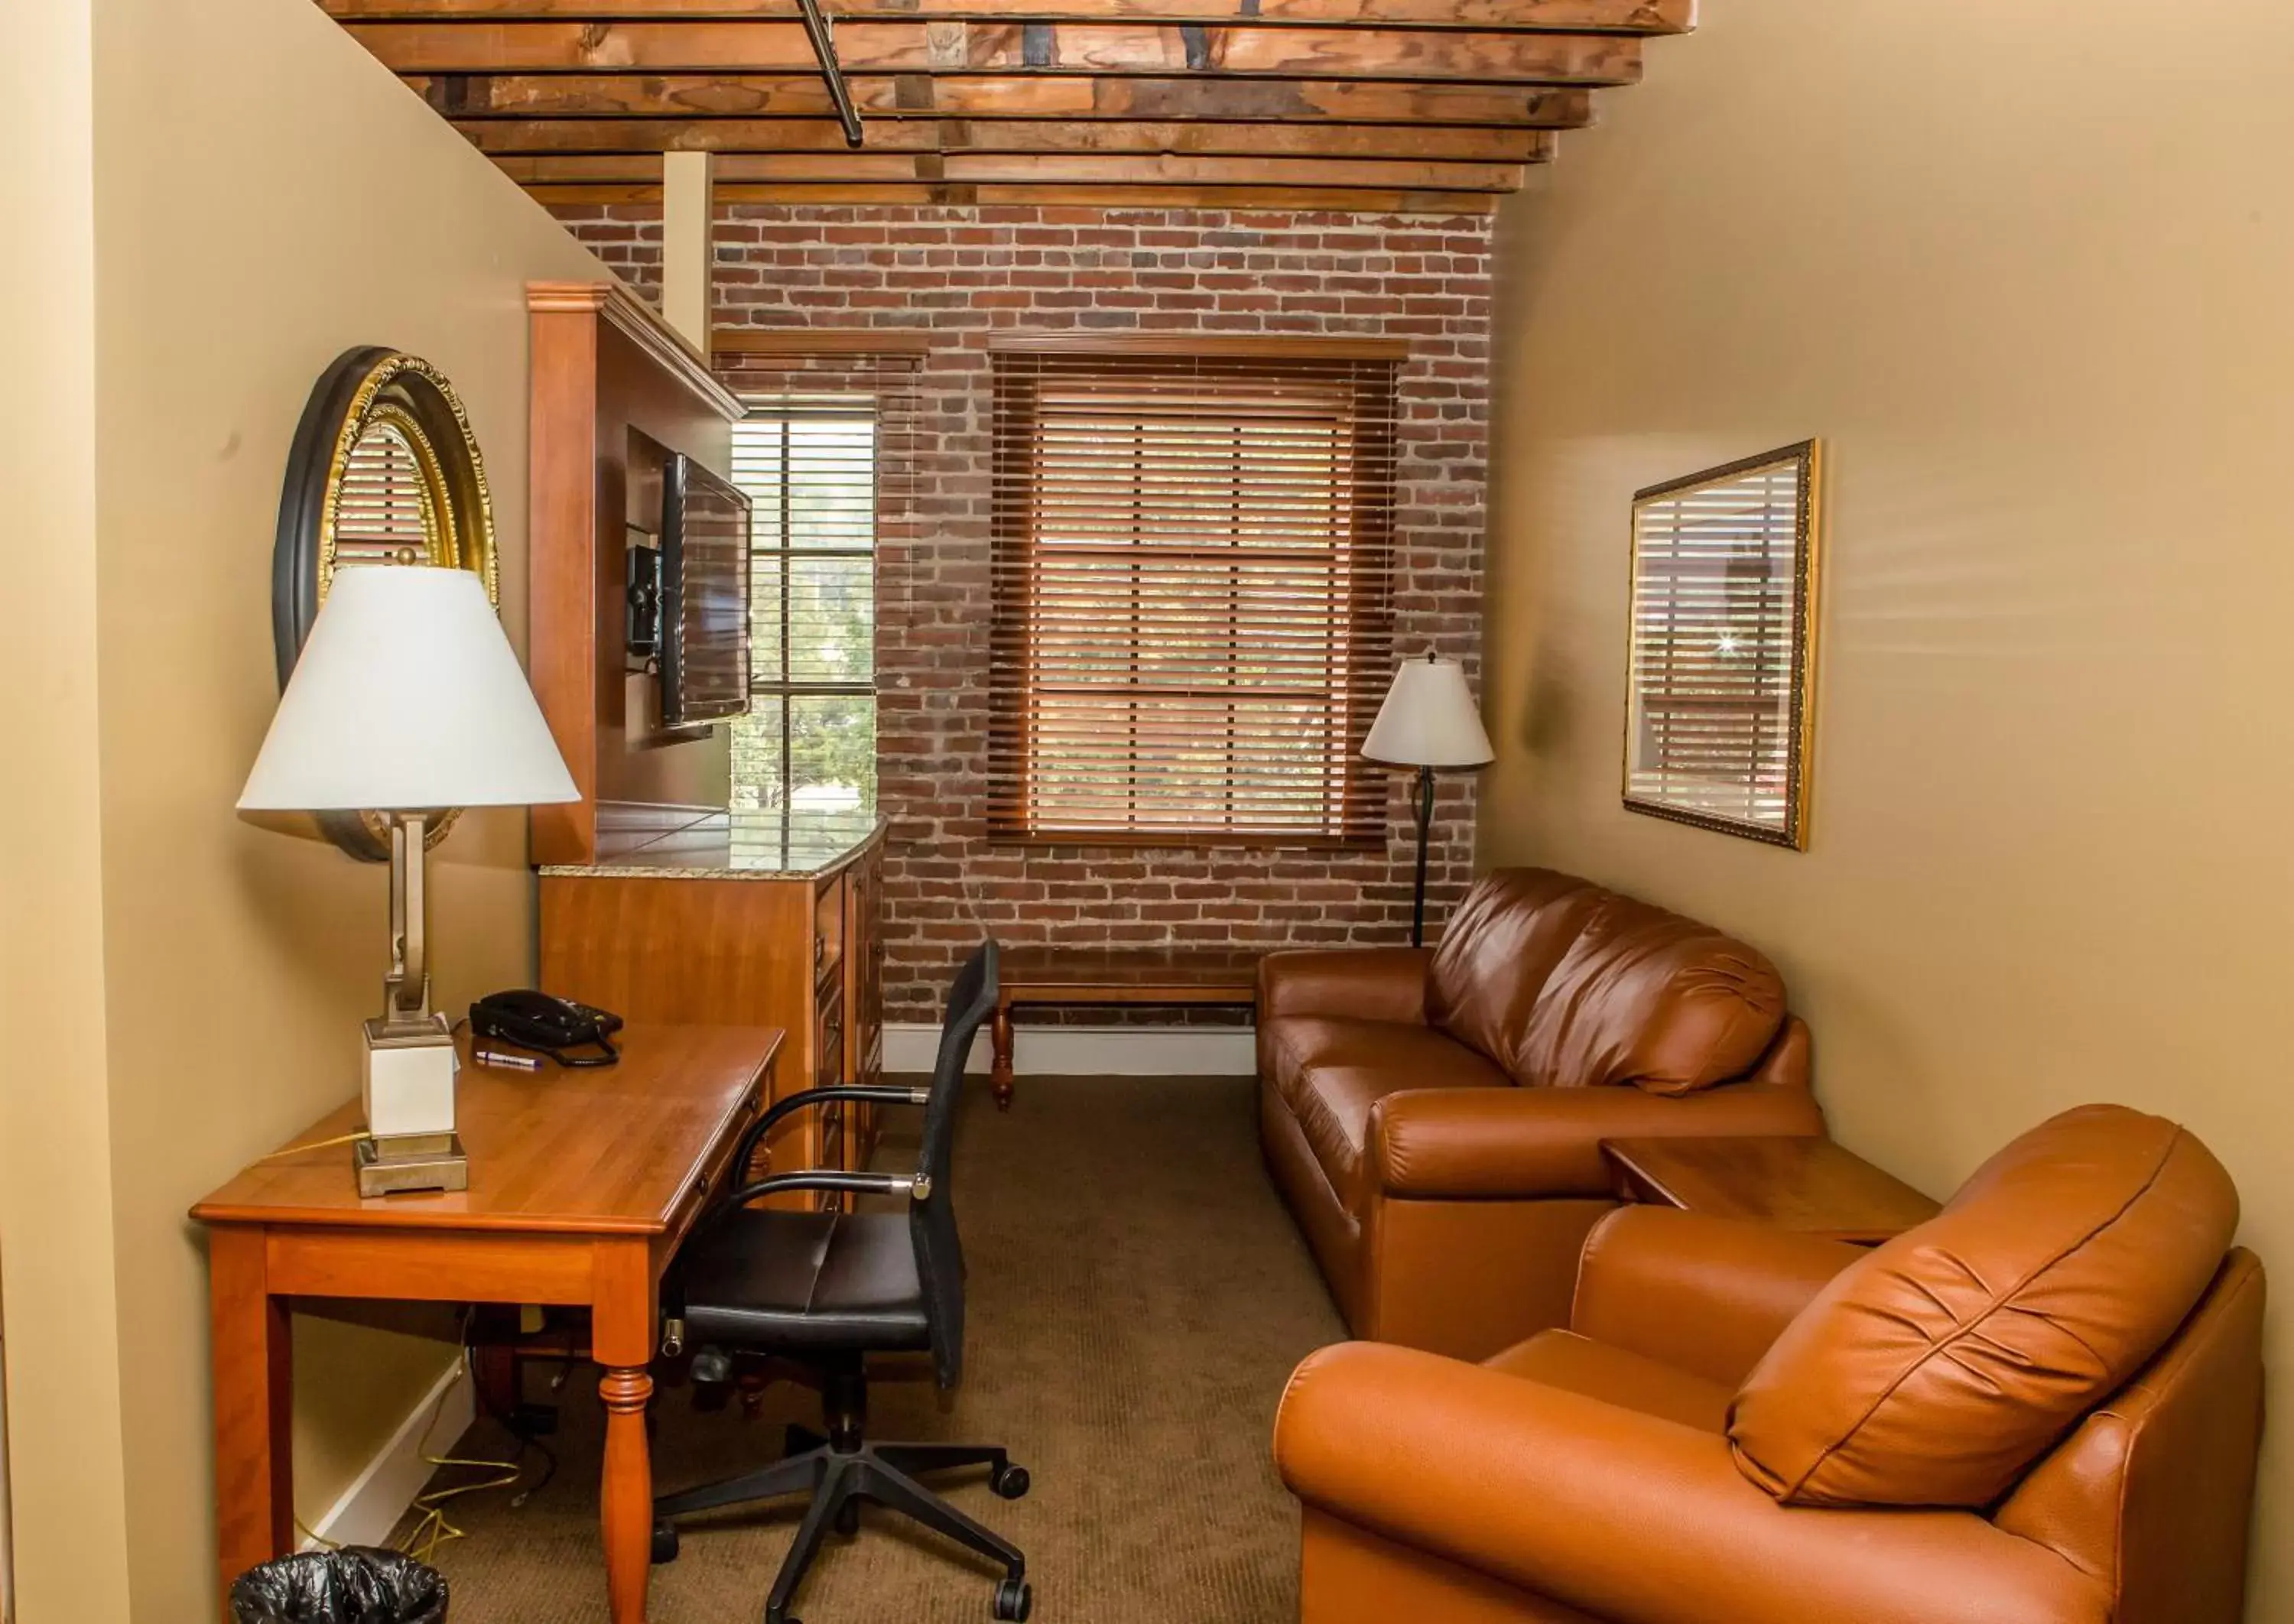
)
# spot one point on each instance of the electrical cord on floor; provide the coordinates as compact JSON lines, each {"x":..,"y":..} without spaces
{"x":525,"y":1438}
{"x":432,"y":1527}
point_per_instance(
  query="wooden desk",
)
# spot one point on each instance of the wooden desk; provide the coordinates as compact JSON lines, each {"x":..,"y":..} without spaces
{"x":1792,"y":1183}
{"x":1114,"y":976}
{"x":582,"y":1182}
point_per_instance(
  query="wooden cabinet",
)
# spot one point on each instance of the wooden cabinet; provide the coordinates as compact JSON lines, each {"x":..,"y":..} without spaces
{"x":675,"y":928}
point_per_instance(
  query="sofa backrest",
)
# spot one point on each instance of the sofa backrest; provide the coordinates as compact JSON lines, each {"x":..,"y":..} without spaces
{"x":1565,"y":984}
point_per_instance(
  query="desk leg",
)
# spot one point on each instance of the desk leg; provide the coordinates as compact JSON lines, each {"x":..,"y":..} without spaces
{"x":622,"y":1337}
{"x":254,"y":1392}
{"x":999,"y":1075}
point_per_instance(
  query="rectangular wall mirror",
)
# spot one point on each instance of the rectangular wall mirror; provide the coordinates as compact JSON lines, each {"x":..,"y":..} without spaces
{"x":1722,"y":647}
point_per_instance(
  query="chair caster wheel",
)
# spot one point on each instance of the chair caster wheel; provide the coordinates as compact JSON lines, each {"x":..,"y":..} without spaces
{"x":665,"y":1541}
{"x":1013,"y":1597}
{"x":1009,"y":1482}
{"x":847,"y":1518}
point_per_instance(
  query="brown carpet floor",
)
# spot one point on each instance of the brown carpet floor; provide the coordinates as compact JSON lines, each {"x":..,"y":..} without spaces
{"x":1138,"y":1296}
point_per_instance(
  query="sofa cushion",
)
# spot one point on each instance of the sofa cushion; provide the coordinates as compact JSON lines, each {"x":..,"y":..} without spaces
{"x":1629,"y":1381}
{"x":1502,"y":944}
{"x":1936,"y":1370}
{"x":1646,"y":997}
{"x":1329,"y":1072}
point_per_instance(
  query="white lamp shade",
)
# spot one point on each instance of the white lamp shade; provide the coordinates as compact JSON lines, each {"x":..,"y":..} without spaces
{"x":407,"y":696}
{"x":1429,"y":719}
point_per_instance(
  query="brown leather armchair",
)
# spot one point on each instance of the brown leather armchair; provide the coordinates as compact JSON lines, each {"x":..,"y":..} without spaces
{"x":2042,"y":1408}
{"x":1434,"y":1119}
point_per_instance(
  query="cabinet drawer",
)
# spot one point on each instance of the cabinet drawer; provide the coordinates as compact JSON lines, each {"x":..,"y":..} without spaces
{"x":828,"y":1045}
{"x":829,"y":931}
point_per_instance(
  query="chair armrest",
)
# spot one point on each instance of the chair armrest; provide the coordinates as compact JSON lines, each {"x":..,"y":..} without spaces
{"x":1628,"y":1517}
{"x":1700,"y":1294}
{"x":1366,"y":983}
{"x":1522,"y":1143}
{"x":810,"y":1098}
{"x":823,"y":1179}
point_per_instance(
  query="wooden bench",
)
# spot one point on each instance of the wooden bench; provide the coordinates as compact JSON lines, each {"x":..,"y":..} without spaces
{"x":1112,"y":977}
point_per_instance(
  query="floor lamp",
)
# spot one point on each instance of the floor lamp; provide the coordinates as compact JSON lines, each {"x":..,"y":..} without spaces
{"x":1429,"y":720}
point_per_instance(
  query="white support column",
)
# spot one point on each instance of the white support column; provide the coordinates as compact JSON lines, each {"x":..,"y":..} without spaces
{"x":688,"y":190}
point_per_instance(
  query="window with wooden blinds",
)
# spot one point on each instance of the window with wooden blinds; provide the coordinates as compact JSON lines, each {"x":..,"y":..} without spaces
{"x":1192,"y":565}
{"x":1723,"y":625}
{"x":827,"y":458}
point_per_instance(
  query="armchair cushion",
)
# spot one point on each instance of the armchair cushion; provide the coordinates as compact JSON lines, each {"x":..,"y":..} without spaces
{"x":1578,"y":1364}
{"x":1936,"y":1370}
{"x":1523,"y":1143}
{"x":1698,"y":1294}
{"x":1627,"y":1516}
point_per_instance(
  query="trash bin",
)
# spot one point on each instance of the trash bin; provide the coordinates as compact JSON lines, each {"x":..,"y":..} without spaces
{"x":350,"y":1586}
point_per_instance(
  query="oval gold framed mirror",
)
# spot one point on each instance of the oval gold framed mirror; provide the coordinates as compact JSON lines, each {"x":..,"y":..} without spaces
{"x":384,"y":471}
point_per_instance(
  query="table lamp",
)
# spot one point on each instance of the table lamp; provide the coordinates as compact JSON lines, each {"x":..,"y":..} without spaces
{"x":1429,"y":719}
{"x":407,"y":699}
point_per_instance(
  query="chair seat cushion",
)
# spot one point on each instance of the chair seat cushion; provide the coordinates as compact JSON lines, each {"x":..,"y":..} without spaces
{"x":769,"y":1280}
{"x":1333,"y":1071}
{"x":1578,"y":1364}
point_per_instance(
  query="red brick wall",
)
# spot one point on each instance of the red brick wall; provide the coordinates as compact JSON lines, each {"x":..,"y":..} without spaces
{"x":963,"y":273}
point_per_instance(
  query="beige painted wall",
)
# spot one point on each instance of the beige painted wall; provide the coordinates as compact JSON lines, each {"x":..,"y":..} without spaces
{"x":264,"y":197}
{"x":67,"y":1503}
{"x":2029,"y":272}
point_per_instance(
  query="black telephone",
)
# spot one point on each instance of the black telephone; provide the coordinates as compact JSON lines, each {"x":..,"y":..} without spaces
{"x":555,"y":1026}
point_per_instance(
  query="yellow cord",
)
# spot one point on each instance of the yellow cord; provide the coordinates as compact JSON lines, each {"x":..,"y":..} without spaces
{"x":433,"y":1529}
{"x":316,"y":1144}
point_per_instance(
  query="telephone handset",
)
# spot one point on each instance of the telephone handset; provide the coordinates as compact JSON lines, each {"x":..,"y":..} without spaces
{"x":553,"y":1025}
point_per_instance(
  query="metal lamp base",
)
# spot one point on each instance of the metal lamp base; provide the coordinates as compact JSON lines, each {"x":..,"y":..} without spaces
{"x":403,"y":1162}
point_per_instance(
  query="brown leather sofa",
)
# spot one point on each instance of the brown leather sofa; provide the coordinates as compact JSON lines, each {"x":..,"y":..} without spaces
{"x":2042,"y":1407}
{"x":1435,"y":1118}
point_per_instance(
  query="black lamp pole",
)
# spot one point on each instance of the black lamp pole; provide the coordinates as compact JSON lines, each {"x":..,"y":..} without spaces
{"x":1425,"y":823}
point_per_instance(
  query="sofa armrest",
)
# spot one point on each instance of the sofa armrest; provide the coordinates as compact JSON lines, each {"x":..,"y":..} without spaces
{"x":1629,"y":1517}
{"x":1523,"y":1143}
{"x":1366,"y":983}
{"x":1700,"y":1294}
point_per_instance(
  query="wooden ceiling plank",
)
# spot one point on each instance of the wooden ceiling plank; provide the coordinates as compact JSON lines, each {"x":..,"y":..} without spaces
{"x":958,"y":48}
{"x":1139,"y":169}
{"x":642,"y":96}
{"x":1641,"y":17}
{"x":728,"y":136}
{"x":1334,"y":199}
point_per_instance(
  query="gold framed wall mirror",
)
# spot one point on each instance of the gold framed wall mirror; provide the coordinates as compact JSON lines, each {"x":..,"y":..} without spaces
{"x":1722,"y":647}
{"x":384,"y":471}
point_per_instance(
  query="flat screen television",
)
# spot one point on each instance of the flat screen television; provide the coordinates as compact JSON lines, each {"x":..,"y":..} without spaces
{"x":704,"y":595}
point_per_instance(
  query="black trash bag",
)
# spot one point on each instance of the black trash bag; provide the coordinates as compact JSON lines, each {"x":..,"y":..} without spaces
{"x":351,"y":1586}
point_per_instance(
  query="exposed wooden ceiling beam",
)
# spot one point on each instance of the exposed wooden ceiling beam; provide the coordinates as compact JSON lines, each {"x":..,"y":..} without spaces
{"x":964,"y":47}
{"x":1008,"y":168}
{"x":532,"y":97}
{"x":1344,"y":198}
{"x":728,"y":136}
{"x":1545,"y":16}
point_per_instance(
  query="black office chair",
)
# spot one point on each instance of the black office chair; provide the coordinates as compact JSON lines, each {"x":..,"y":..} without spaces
{"x":828,"y":1288}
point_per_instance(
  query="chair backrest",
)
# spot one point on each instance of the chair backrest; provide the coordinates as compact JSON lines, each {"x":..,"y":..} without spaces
{"x":931,"y":1220}
{"x":2153,"y":1490}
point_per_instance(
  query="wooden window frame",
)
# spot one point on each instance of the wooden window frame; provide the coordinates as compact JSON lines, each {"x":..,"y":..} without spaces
{"x":1353,"y":794}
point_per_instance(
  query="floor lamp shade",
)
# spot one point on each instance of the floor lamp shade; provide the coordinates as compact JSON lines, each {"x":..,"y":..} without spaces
{"x":1429,"y":719}
{"x":407,"y":695}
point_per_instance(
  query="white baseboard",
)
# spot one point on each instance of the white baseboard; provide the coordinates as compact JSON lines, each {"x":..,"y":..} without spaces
{"x":1084,"y":1052}
{"x":379,"y":1496}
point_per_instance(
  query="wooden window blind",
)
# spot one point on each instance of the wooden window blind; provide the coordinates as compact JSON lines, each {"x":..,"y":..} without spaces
{"x":1723,"y":591}
{"x":1192,"y":571}
{"x":827,"y":458}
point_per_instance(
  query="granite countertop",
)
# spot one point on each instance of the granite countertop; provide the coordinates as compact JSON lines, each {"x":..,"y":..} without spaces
{"x":698,"y":843}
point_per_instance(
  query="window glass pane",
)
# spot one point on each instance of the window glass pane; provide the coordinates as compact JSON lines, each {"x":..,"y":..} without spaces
{"x":832,"y":619}
{"x":759,"y":775}
{"x":766,"y":574}
{"x":832,"y":475}
{"x":833,"y":753}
